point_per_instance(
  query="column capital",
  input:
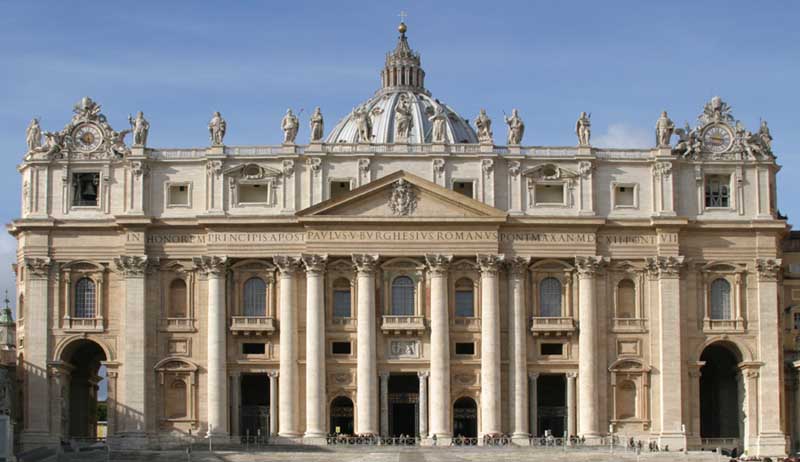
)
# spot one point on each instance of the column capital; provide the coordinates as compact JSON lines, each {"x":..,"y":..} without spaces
{"x":273,"y":374}
{"x":38,"y":266}
{"x":384,"y":375}
{"x":588,"y":266}
{"x":533,"y":375}
{"x":665,"y":267}
{"x":423,"y":374}
{"x":490,"y":263}
{"x":365,"y":263}
{"x":518,"y":266}
{"x":134,"y":265}
{"x":287,"y":265}
{"x":438,"y":264}
{"x":572,"y":375}
{"x":315,"y":264}
{"x":211,"y":265}
{"x":768,"y":269}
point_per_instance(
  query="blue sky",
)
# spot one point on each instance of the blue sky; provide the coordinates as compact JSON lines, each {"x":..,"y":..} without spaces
{"x":178,"y":61}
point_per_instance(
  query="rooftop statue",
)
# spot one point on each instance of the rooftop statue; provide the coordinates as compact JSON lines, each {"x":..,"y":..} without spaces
{"x":764,"y":134}
{"x":516,"y":128}
{"x":317,"y":125}
{"x":688,"y":141}
{"x":439,"y":122}
{"x":583,"y":128}
{"x":290,"y":125}
{"x":402,"y":120}
{"x":484,"y":125}
{"x":216,"y":129}
{"x":140,"y":127}
{"x":364,"y":124}
{"x":664,"y":129}
{"x":33,"y":135}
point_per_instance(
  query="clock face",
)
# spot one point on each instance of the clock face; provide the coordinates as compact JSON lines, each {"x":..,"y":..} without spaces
{"x":87,"y":137}
{"x":717,"y":139}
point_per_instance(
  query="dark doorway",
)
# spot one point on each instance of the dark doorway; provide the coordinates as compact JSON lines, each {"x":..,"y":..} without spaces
{"x":551,"y":404}
{"x":465,"y":418}
{"x":342,"y":416}
{"x":80,"y":410}
{"x":254,"y":410}
{"x":403,"y":405}
{"x":720,"y":400}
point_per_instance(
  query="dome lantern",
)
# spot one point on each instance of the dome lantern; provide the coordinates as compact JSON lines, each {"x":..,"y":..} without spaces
{"x":402,"y":69}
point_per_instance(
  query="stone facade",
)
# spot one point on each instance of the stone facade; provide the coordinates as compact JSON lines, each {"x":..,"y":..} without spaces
{"x":514,"y":288}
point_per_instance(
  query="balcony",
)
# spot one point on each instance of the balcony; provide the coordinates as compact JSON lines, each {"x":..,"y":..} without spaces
{"x":629,"y":325}
{"x":83,"y":324}
{"x":346,"y":324}
{"x":728,"y":326}
{"x":252,"y":325}
{"x":399,"y":325}
{"x":178,"y":325}
{"x":552,"y":326}
{"x":466,"y":324}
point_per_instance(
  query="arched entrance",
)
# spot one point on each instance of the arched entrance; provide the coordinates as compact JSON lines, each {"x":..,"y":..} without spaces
{"x":84,"y":394}
{"x":720,"y":394}
{"x":465,"y":418}
{"x":342,"y":416}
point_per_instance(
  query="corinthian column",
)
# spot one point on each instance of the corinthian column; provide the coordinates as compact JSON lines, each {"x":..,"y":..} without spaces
{"x":517,"y":351}
{"x":588,"y":364}
{"x":440,"y":347}
{"x":217,"y":390}
{"x":367,"y":372}
{"x":490,"y":344}
{"x":315,"y":345}
{"x":288,"y":396}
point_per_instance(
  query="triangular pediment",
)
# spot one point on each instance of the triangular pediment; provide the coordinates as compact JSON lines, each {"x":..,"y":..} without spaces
{"x":403,"y":196}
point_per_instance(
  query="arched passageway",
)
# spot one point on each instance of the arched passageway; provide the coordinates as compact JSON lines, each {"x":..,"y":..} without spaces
{"x":342,"y":416}
{"x":720,"y":392}
{"x":465,"y":418}
{"x":80,"y":410}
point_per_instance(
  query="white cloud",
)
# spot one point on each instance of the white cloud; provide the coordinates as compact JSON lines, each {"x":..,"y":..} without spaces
{"x":622,"y":135}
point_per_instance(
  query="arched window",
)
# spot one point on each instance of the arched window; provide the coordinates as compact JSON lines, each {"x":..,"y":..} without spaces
{"x":550,"y":298}
{"x":626,"y":299}
{"x":255,"y":297}
{"x":465,"y":298}
{"x":85,"y":299}
{"x":177,"y":299}
{"x":403,"y":296}
{"x":176,"y":400}
{"x":626,"y":400}
{"x":342,"y":301}
{"x":720,"y":299}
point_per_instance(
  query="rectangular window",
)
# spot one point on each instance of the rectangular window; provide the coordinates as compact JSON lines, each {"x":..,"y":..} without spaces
{"x":464,"y":187}
{"x":338,"y":188}
{"x":552,"y":349}
{"x":718,"y":191}
{"x":549,"y":194}
{"x":341,"y":303}
{"x":465,"y":348}
{"x":341,"y":348}
{"x":465,"y":303}
{"x":85,"y":189}
{"x":624,"y":196}
{"x":178,"y":195}
{"x":253,"y":193}
{"x":794,"y":268}
{"x":254,"y":348}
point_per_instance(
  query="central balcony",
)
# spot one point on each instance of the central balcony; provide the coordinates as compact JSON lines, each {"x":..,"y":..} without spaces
{"x":399,"y":325}
{"x":83,"y":324}
{"x":252,"y":325}
{"x":552,"y":326}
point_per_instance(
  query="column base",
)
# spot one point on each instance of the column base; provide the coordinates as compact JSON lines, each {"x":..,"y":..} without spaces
{"x":315,"y":439}
{"x":443,"y":439}
{"x":674,"y":441}
{"x":521,"y":439}
{"x":284,"y":439}
{"x":771,"y":445}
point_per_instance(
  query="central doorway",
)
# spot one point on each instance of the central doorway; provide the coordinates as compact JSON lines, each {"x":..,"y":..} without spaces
{"x":342,"y":416}
{"x":254,"y":410}
{"x":551,"y":404}
{"x":403,"y":405}
{"x":465,"y":418}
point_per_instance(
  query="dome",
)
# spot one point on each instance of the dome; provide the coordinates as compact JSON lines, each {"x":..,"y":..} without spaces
{"x":401,"y":111}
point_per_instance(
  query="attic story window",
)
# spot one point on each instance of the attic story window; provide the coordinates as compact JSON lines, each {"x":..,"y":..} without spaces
{"x":549,"y":193}
{"x":254,"y":193}
{"x":464,"y":187}
{"x":338,"y":188}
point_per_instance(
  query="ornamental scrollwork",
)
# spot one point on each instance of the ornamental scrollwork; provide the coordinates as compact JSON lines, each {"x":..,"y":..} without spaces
{"x":37,"y":266}
{"x":768,"y":269}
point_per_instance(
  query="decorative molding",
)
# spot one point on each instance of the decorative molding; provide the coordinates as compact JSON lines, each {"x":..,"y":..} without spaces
{"x":404,"y":349}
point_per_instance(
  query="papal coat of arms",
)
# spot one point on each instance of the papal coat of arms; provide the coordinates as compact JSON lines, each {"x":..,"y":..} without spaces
{"x":404,"y":199}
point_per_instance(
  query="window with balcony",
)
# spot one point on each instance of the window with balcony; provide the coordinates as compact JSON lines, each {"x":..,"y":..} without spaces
{"x":721,"y":300}
{"x":465,"y":298}
{"x":255,"y":297}
{"x":550,"y":298}
{"x":85,"y":299}
{"x":402,"y":296}
{"x":342,"y":300}
{"x":177,"y":299}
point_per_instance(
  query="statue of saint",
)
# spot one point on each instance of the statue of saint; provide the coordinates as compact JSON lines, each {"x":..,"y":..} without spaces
{"x":33,"y":135}
{"x":140,"y":127}
{"x":439,"y":121}
{"x":484,"y":125}
{"x":290,"y":125}
{"x":402,"y":120}
{"x":764,"y":134}
{"x":664,"y":130}
{"x":583,"y":128}
{"x":216,"y":128}
{"x":316,"y":125}
{"x":516,"y":128}
{"x":364,"y":125}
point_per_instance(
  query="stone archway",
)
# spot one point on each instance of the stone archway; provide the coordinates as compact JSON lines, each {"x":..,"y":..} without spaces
{"x":342,"y":416}
{"x":465,"y":418}
{"x":721,"y":392}
{"x":79,"y":394}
